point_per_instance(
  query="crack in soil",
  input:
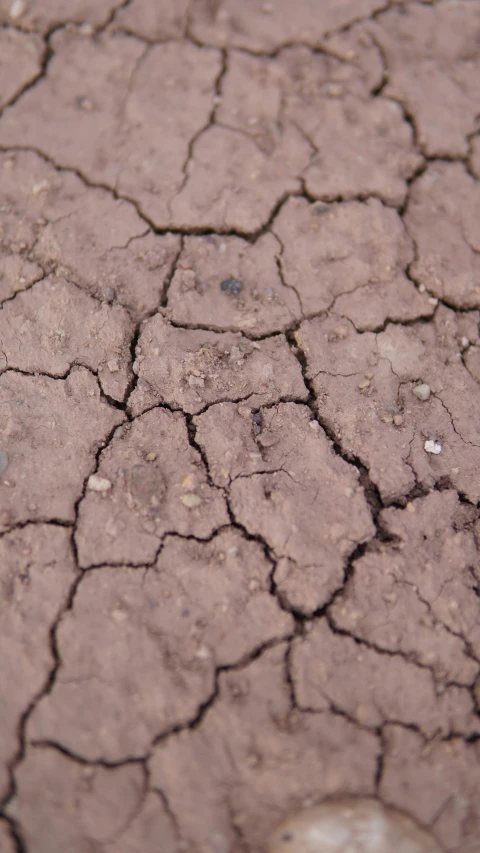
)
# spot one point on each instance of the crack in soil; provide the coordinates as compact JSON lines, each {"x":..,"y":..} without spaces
{"x":372,"y":495}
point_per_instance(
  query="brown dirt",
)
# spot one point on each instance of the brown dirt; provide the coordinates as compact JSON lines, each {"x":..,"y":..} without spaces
{"x":239,"y":423}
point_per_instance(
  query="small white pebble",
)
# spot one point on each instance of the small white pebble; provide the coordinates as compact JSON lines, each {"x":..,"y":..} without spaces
{"x":17,"y":9}
{"x":432,"y":446}
{"x":464,"y":342}
{"x":191,"y":501}
{"x":113,"y":365}
{"x":41,"y":187}
{"x":202,"y":653}
{"x":421,"y":288}
{"x":433,"y":301}
{"x":98,"y":484}
{"x":349,"y":492}
{"x":422,"y":392}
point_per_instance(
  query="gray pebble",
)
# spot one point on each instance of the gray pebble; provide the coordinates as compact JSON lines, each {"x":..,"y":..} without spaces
{"x":359,"y":825}
{"x":422,"y":392}
{"x":232,"y":286}
{"x":257,"y":423}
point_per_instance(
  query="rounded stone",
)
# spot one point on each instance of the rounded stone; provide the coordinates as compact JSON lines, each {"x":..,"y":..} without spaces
{"x":422,"y":392}
{"x":352,"y":824}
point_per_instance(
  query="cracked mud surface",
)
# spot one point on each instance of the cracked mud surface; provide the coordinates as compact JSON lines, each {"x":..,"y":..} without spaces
{"x":239,"y":422}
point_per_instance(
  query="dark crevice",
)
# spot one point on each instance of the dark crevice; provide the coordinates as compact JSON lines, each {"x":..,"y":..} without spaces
{"x":380,"y":762}
{"x":192,"y":438}
{"x":383,"y":535}
{"x":168,"y":810}
{"x":15,"y":832}
{"x":315,"y":47}
{"x":134,"y":378}
{"x":169,"y":277}
{"x":75,"y":365}
{"x":44,"y":691}
{"x":217,"y":94}
{"x":270,"y":556}
{"x":250,"y":336}
{"x":23,"y":290}
{"x":55,"y":654}
{"x":327,"y":199}
{"x":20,"y":525}
{"x":45,"y":61}
{"x":79,"y":759}
{"x":205,"y":706}
{"x":371,"y":492}
{"x":192,"y":231}
{"x":111,"y":18}
{"x":397,"y":653}
{"x":219,"y":401}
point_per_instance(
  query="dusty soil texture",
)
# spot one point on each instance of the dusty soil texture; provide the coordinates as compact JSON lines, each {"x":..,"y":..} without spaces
{"x":239,"y":423}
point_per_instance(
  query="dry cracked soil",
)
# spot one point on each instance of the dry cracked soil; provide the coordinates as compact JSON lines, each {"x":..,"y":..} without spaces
{"x":239,"y":424}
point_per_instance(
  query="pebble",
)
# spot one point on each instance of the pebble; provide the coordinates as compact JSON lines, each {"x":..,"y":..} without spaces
{"x":41,"y":187}
{"x":113,"y":365}
{"x":191,"y":501}
{"x":432,"y":446}
{"x":98,"y":484}
{"x":359,"y":825}
{"x":85,"y":104}
{"x":422,"y":392}
{"x":3,"y":461}
{"x":232,"y":286}
{"x":17,"y":9}
{"x":257,"y":423}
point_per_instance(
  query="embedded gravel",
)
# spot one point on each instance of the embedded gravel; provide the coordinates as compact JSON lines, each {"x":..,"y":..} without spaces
{"x":239,"y":425}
